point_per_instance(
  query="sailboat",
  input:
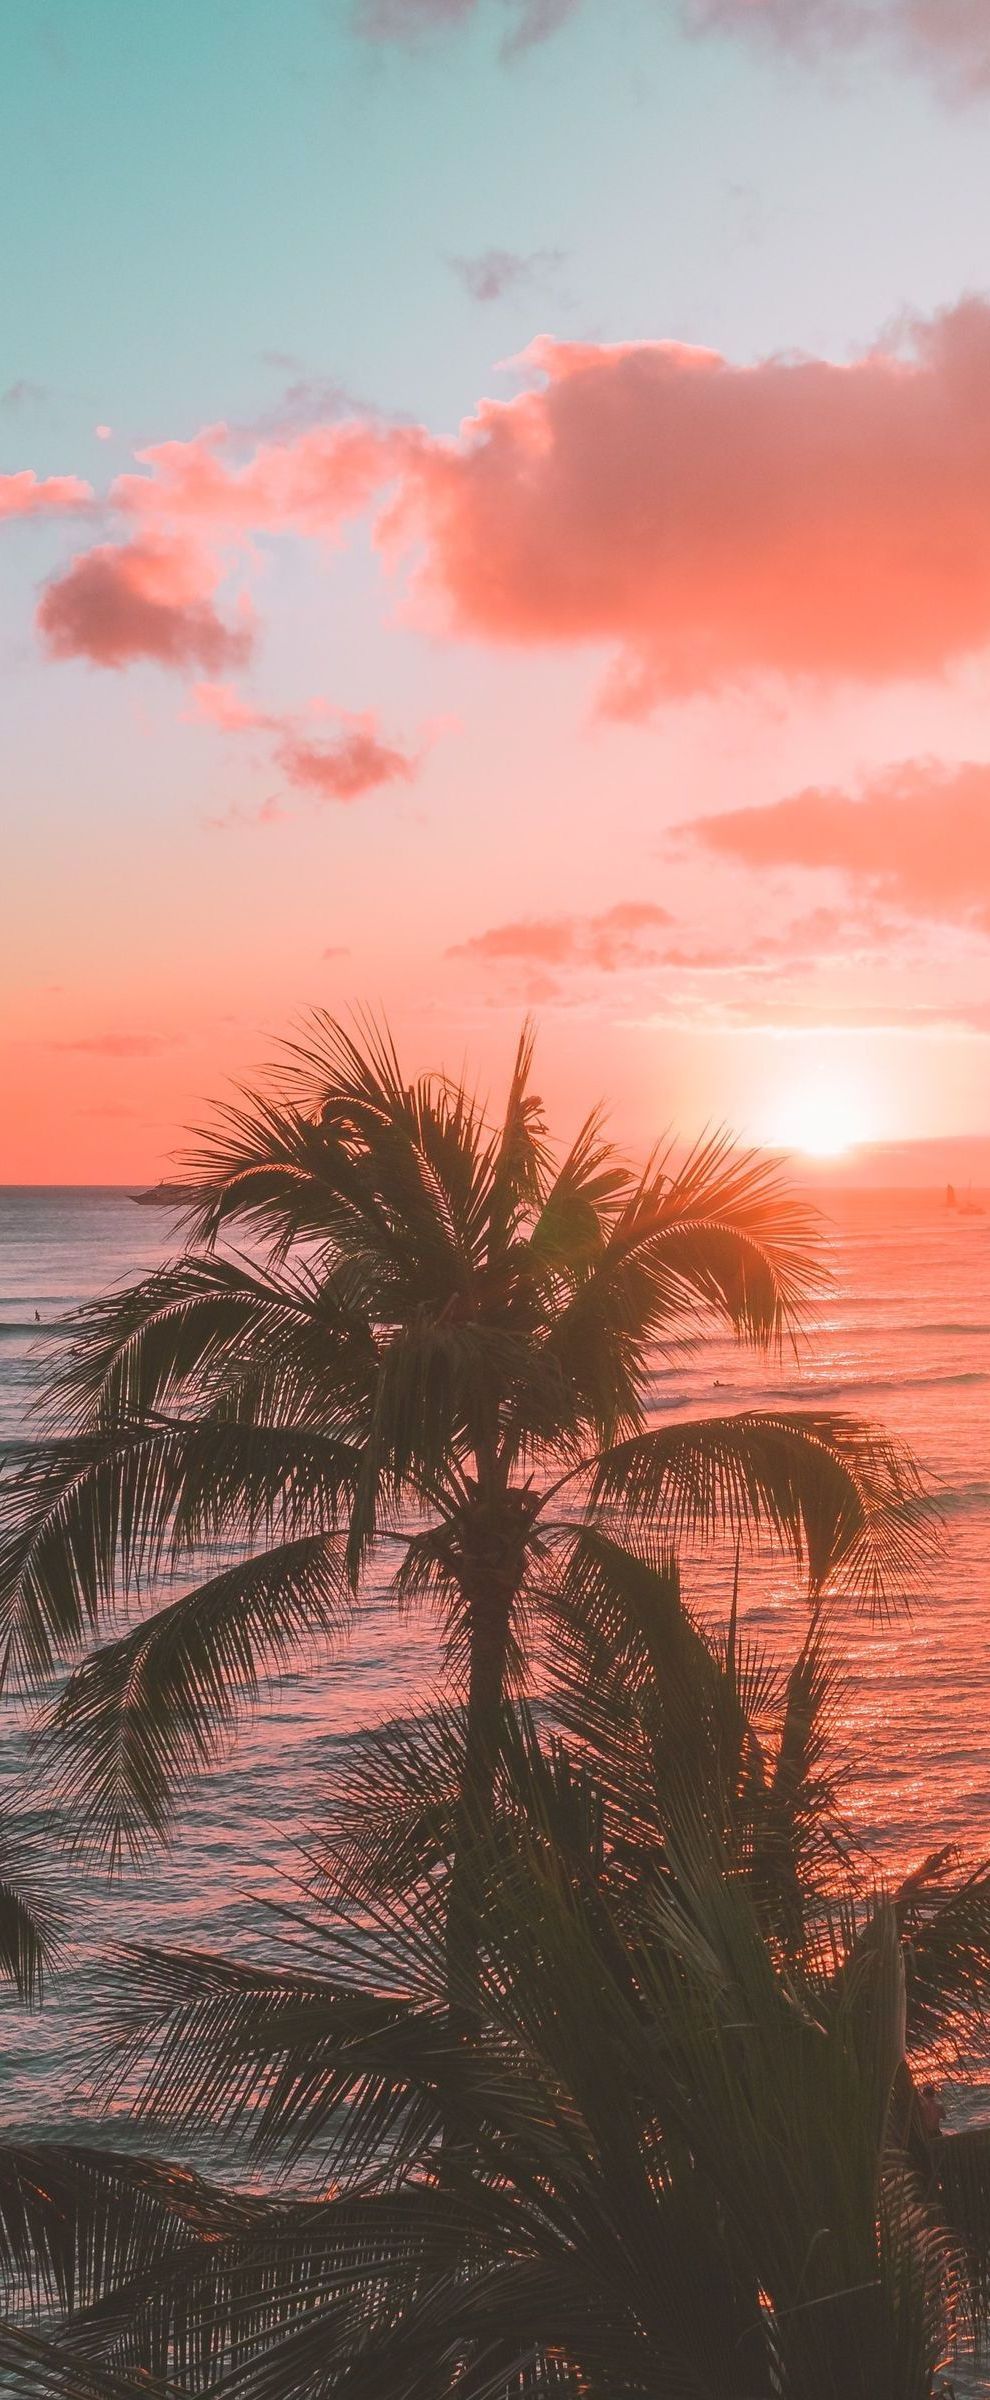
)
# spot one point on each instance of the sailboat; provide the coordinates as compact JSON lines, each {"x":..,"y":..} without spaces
{"x":970,"y":1207}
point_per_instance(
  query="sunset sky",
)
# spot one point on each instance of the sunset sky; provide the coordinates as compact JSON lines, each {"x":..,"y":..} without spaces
{"x":496,"y":515}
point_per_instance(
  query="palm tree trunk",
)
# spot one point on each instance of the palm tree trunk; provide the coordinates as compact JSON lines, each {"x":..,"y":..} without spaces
{"x":489,"y":1620}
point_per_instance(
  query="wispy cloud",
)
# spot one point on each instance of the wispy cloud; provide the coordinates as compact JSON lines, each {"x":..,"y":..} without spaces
{"x":491,"y":274}
{"x":335,"y":755}
{"x":949,"y":39}
{"x":22,"y":394}
{"x":623,"y":935}
{"x":117,"y":1045}
{"x":526,"y":21}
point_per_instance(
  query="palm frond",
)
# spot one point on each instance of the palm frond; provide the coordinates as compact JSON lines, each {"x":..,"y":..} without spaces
{"x":41,"y":2369}
{"x":521,"y":1165}
{"x":31,"y":1916}
{"x":145,"y":1714}
{"x":305,"y":2066}
{"x":719,"y":1240}
{"x":83,"y":1522}
{"x":79,"y":2223}
{"x":847,"y":1502}
{"x":944,"y":1914}
{"x":961,"y":2171}
{"x":207,"y":1327}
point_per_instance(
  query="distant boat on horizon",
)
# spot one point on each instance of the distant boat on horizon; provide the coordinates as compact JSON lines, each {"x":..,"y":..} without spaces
{"x":166,"y":1195}
{"x":967,"y":1207}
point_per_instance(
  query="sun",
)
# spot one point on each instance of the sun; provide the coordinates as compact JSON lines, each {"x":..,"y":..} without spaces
{"x":823,"y":1116}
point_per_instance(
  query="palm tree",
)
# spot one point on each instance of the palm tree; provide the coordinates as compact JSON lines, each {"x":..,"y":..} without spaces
{"x":433,"y":1337}
{"x":692,"y":2164}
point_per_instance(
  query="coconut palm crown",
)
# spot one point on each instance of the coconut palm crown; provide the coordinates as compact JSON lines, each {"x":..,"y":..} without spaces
{"x":399,"y":1332}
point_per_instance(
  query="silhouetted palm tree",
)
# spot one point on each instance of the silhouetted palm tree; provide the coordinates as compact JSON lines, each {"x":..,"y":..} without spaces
{"x":442,"y":1340}
{"x":440,"y":1335}
{"x":691,"y":2162}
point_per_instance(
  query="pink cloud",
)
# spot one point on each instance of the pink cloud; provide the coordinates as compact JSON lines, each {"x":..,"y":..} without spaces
{"x":153,"y":596}
{"x":218,"y":704}
{"x":918,"y":837}
{"x":950,"y":36}
{"x":815,"y":937}
{"x":955,"y":32}
{"x":617,"y":937}
{"x":717,"y":521}
{"x":342,"y":765}
{"x":708,"y":522}
{"x":148,"y":599}
{"x":637,"y":934}
{"x":305,"y":484}
{"x":346,"y":766}
{"x":28,"y":495}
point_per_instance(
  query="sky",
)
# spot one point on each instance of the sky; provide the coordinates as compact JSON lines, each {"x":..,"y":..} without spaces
{"x":495,"y":509}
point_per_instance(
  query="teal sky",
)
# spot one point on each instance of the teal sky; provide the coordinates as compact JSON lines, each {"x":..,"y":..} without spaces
{"x":194,"y":192}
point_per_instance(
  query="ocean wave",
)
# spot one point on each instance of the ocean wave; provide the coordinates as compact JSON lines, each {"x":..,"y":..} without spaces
{"x":824,"y":1389}
{"x":39,"y":1297}
{"x":950,"y":1328}
{"x":964,"y":1499}
{"x":40,"y":1325}
{"x":737,"y":1394}
{"x":848,"y":1312}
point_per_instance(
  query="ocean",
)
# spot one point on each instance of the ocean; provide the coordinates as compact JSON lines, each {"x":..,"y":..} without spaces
{"x":904,"y":1338}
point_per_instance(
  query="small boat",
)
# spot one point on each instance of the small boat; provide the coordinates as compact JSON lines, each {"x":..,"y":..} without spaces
{"x":970,"y":1207}
{"x":950,"y":1195}
{"x":167,"y":1195}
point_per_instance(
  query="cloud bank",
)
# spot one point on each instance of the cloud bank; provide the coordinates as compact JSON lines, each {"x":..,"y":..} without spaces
{"x":918,"y":837}
{"x":707,"y":522}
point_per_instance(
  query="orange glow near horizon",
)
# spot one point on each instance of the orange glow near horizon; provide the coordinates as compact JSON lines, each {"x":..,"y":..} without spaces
{"x":825,"y":1113}
{"x":822,"y":1125}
